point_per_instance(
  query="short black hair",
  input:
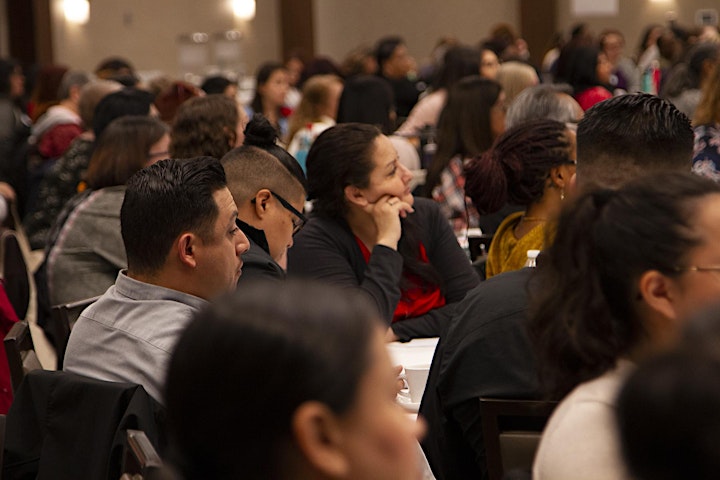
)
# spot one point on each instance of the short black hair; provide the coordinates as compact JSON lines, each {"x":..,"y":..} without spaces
{"x":385,"y":48}
{"x":164,"y":200}
{"x":216,"y":84}
{"x":128,"y":101}
{"x":632,"y":135}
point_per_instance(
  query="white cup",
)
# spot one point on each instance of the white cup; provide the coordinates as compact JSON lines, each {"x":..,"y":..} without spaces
{"x":416,"y":377}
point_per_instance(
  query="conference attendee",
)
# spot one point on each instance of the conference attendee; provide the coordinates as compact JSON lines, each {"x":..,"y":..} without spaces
{"x":653,"y":136}
{"x":270,"y":203}
{"x":395,"y":66}
{"x":307,"y":367}
{"x":272,"y":86}
{"x":220,"y":84}
{"x":368,"y":232}
{"x":183,"y":249}
{"x":544,"y":102}
{"x":87,"y":248}
{"x":211,"y":125}
{"x":706,"y":153}
{"x":610,"y":292}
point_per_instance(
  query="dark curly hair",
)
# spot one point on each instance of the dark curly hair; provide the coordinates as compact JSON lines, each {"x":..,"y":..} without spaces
{"x":517,"y":167}
{"x":204,"y":126}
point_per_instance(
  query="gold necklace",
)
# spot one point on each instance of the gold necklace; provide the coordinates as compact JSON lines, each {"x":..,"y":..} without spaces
{"x":533,"y":219}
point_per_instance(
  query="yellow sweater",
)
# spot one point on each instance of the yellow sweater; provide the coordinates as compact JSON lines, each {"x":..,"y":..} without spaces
{"x":508,"y":252}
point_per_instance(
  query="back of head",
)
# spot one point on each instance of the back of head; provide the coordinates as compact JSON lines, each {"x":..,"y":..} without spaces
{"x":205,"y":126}
{"x":128,"y":101}
{"x":164,"y":200}
{"x":261,"y":354}
{"x":630,"y":136}
{"x":515,"y":170}
{"x":516,"y":77}
{"x":73,"y":78}
{"x":118,"y":69}
{"x":7,"y":68}
{"x":169,"y":100}
{"x":385,"y":48}
{"x":586,"y":309}
{"x":367,"y":99}
{"x":250,"y":169}
{"x":548,"y":102}
{"x":316,"y":96}
{"x":123,"y":149}
{"x":464,"y":127}
{"x":582,"y":69}
{"x":215,"y":84}
{"x":668,"y":418}
{"x":261,"y":134}
{"x":90,"y":95}
{"x":458,"y":62}
{"x":339,"y":156}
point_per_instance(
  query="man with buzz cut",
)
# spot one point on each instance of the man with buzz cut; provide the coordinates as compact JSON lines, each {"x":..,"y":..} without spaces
{"x":270,"y":202}
{"x":183,"y":249}
{"x":487,"y":351}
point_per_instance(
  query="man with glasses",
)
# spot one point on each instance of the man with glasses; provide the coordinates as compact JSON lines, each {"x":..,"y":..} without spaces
{"x":270,"y":201}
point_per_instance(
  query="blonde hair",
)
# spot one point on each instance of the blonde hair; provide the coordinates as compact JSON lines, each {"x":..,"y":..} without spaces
{"x":708,"y":110}
{"x":514,"y":78}
{"x":315,"y":96}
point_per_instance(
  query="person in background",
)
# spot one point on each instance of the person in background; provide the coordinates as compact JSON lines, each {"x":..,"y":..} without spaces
{"x":316,"y":112}
{"x":473,"y":117}
{"x":367,"y":99}
{"x":685,"y":81}
{"x":295,"y":65}
{"x":395,"y":65}
{"x":118,"y":69}
{"x":529,"y":165}
{"x":65,"y":178}
{"x":206,"y":126}
{"x":514,"y":77}
{"x":87,"y":237}
{"x":489,"y":63}
{"x":549,"y":102}
{"x":220,"y":84}
{"x":14,"y":131}
{"x":611,"y":291}
{"x":706,"y":153}
{"x":458,"y":62}
{"x":45,"y":91}
{"x":270,"y":92}
{"x":359,"y":61}
{"x":169,"y":100}
{"x":368,"y":232}
{"x":326,"y":405}
{"x":183,"y":249}
{"x":625,"y":75}
{"x":589,"y":75}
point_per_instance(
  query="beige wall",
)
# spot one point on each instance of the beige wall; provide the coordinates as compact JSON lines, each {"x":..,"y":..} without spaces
{"x":341,"y":25}
{"x":146,"y":31}
{"x":634,"y":15}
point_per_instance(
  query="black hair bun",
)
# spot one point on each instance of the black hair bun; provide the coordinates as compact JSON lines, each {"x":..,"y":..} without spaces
{"x":259,"y":132}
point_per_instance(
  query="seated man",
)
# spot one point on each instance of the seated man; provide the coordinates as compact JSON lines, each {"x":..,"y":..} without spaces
{"x":183,"y":248}
{"x":487,"y":351}
{"x":270,"y":202}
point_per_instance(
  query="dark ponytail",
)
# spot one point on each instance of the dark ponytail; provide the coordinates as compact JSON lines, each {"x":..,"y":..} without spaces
{"x":584,"y":297}
{"x":517,"y":167}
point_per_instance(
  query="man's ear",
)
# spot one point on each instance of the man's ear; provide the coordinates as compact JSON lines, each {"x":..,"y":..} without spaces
{"x":261,"y":200}
{"x":355,"y":196}
{"x":186,"y":246}
{"x":319,"y":438}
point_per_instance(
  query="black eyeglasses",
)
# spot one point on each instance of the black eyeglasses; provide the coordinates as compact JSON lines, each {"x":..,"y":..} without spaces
{"x":300,"y":220}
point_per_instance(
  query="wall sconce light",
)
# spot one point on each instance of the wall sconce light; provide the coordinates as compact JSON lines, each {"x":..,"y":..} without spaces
{"x":244,"y":9}
{"x":77,"y":11}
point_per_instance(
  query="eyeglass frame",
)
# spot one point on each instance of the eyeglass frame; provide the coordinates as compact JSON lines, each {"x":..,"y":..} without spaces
{"x":695,"y":268}
{"x":303,"y":219}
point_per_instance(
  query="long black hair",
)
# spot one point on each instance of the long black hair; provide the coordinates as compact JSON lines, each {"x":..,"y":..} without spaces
{"x":584,"y":302}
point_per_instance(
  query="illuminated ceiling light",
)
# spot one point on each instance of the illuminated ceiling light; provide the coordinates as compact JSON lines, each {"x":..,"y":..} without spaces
{"x":77,"y":11}
{"x":244,"y":9}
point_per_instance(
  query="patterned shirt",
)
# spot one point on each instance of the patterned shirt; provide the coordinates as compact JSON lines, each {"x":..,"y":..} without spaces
{"x":706,"y":152}
{"x":450,"y":194}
